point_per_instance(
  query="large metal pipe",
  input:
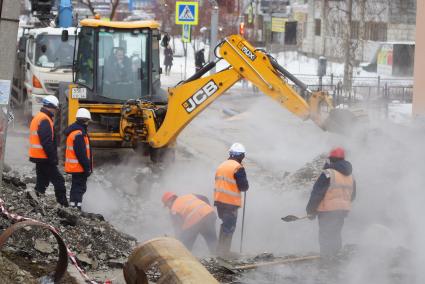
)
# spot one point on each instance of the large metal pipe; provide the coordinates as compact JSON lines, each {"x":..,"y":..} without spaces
{"x":176,"y":263}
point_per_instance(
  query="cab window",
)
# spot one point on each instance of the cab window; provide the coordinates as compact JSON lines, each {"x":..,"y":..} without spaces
{"x":85,"y":58}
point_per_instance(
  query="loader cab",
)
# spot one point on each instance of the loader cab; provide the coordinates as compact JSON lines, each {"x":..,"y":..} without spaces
{"x":118,"y":61}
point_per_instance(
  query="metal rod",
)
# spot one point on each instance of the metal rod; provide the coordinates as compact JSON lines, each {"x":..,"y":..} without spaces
{"x":243,"y":220}
{"x":288,"y":75}
{"x":207,"y":67}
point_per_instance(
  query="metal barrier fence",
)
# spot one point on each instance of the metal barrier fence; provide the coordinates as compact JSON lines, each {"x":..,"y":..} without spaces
{"x":364,"y":89}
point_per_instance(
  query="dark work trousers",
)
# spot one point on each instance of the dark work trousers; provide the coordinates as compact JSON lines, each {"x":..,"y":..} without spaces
{"x":78,"y":188}
{"x":330,"y":227}
{"x":228,"y":215}
{"x":205,"y":227}
{"x":47,"y":173}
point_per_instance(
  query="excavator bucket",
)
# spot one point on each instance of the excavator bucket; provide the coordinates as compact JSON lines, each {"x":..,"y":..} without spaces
{"x":340,"y":121}
{"x":329,"y":118}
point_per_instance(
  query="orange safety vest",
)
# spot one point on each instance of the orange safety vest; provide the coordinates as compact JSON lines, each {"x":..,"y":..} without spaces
{"x":191,"y":209}
{"x":36,"y":149}
{"x":338,"y":195}
{"x":71,"y":162}
{"x":226,"y":190}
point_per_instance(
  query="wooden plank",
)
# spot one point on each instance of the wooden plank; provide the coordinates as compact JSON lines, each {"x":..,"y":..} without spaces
{"x":276,"y":262}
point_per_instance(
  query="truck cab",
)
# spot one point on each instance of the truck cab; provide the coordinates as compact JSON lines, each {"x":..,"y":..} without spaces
{"x":48,"y":60}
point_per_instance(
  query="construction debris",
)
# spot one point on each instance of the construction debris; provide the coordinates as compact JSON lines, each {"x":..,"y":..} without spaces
{"x":305,"y":176}
{"x":97,"y":245}
{"x":12,"y":273}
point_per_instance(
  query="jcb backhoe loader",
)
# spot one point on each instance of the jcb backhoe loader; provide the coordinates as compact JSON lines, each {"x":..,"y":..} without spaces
{"x":117,"y":78}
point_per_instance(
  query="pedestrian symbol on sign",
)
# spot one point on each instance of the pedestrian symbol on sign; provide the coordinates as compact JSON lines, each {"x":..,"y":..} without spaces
{"x":186,"y":13}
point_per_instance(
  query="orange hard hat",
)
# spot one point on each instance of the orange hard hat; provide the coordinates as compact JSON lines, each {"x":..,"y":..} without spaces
{"x":337,"y":152}
{"x":167,"y":196}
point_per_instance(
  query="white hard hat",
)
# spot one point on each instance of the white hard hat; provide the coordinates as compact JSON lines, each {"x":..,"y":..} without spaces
{"x":51,"y":101}
{"x":237,"y":148}
{"x":83,"y":113}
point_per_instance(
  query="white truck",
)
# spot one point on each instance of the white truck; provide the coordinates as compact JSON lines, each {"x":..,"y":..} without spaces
{"x":45,"y":57}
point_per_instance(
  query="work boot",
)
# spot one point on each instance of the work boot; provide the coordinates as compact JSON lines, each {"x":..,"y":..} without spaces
{"x":61,"y":199}
{"x":64,"y":203}
{"x":224,"y":244}
{"x":227,"y":244}
{"x":221,"y":250}
{"x":75,"y":205}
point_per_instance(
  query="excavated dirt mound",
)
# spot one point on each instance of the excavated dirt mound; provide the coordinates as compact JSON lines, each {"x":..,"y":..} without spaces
{"x":307,"y":175}
{"x":96,"y":244}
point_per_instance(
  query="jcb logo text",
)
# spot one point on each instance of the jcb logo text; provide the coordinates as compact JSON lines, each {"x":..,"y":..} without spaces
{"x":200,"y":96}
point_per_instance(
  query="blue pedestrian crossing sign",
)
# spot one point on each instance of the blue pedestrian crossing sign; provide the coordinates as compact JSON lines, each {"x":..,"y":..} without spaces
{"x":186,"y":13}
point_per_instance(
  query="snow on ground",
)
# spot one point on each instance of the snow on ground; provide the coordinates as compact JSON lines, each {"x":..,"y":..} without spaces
{"x":399,"y":112}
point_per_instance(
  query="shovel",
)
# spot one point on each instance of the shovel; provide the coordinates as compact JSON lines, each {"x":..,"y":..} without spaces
{"x":291,"y":218}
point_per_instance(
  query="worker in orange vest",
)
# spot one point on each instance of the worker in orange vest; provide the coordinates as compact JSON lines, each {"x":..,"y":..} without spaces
{"x":330,"y":199}
{"x":230,"y":181}
{"x":78,"y":156}
{"x":191,"y":215}
{"x":43,"y":151}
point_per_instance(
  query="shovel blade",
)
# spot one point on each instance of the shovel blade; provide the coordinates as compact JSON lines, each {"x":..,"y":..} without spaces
{"x":290,"y":218}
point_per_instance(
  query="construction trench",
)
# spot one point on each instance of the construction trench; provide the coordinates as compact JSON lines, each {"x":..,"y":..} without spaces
{"x":382,"y":235}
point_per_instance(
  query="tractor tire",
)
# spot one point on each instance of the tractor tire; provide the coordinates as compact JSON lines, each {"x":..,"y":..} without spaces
{"x":142,"y":149}
{"x":163,"y":155}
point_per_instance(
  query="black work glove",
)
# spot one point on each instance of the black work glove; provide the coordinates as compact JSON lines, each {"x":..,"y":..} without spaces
{"x":87,"y":173}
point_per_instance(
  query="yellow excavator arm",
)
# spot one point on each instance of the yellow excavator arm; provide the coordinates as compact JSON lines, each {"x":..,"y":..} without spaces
{"x":190,"y":97}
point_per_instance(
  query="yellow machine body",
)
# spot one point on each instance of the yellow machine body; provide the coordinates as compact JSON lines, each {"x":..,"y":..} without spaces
{"x":158,"y":125}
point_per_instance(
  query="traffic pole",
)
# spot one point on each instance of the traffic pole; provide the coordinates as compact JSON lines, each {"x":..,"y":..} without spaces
{"x":213,"y":38}
{"x":9,"y":22}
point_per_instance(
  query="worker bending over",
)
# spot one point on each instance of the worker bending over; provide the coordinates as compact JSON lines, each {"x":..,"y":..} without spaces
{"x":78,"y":156}
{"x":43,"y":151}
{"x":191,"y":215}
{"x":230,"y":181}
{"x":331,"y":199}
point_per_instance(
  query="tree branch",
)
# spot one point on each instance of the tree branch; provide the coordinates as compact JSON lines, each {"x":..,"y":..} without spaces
{"x":114,"y":4}
{"x":89,"y":4}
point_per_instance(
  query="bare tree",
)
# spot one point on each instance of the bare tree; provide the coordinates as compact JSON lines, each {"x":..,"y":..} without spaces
{"x":114,"y":4}
{"x":348,"y":60}
{"x":89,"y":4}
{"x":362,"y":28}
{"x":324,"y":22}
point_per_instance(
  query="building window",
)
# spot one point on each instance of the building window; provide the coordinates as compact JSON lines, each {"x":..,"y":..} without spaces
{"x":317,"y":26}
{"x":376,"y":31}
{"x":355,"y":29}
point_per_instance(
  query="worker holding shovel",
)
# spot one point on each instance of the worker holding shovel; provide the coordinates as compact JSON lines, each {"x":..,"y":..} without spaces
{"x":331,"y":199}
{"x":230,"y":181}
